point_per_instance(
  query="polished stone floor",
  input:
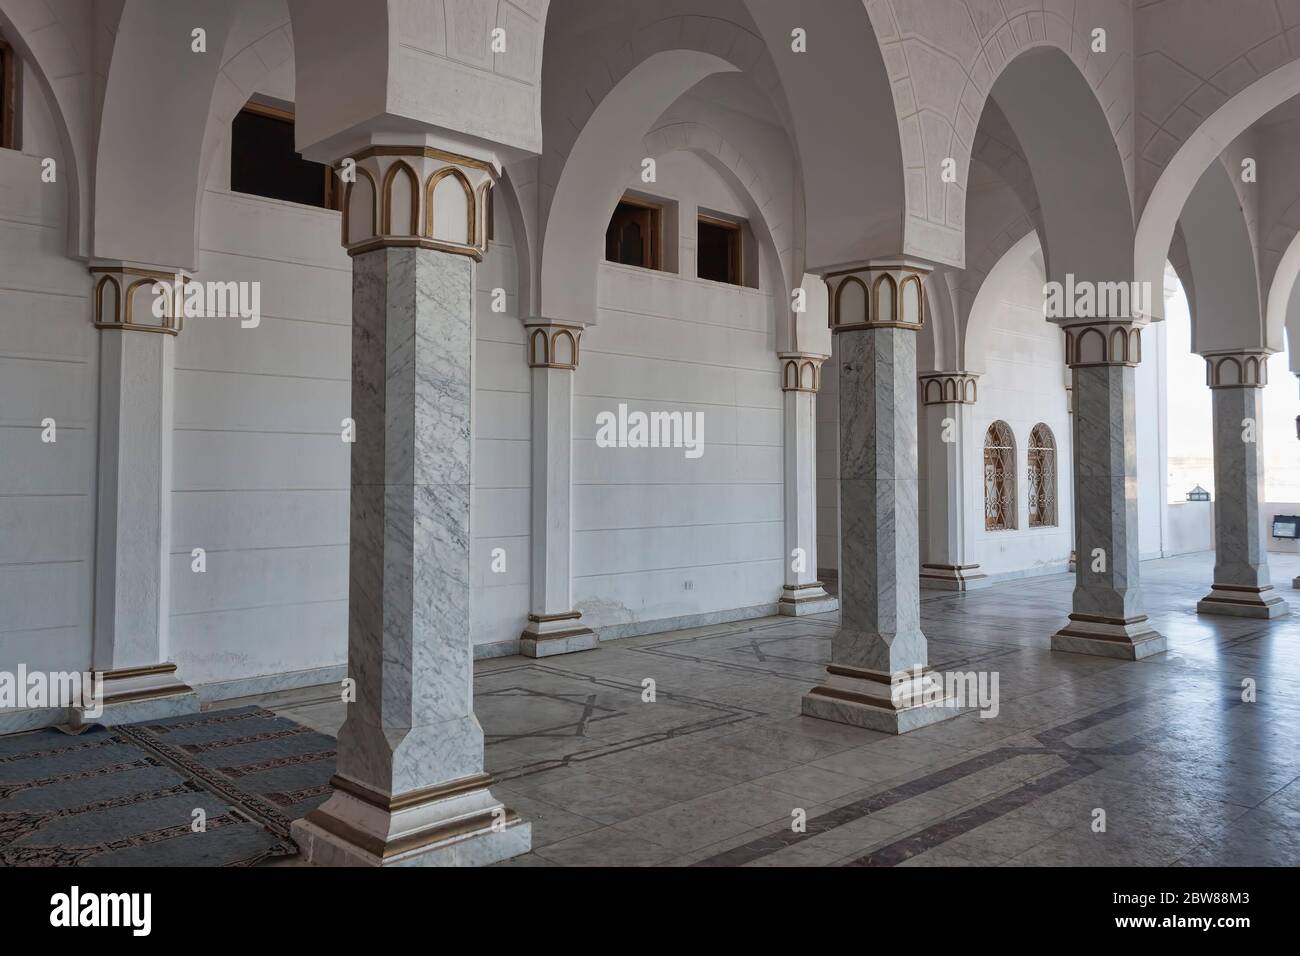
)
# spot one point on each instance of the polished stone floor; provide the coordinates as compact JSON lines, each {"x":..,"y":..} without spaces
{"x":716,"y":768}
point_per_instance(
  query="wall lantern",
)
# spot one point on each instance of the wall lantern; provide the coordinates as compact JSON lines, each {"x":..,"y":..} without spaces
{"x":1198,"y":494}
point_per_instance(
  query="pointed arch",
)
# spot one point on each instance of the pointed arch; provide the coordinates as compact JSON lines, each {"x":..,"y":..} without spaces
{"x":431,"y":187}
{"x":1042,"y":477}
{"x":999,"y":477}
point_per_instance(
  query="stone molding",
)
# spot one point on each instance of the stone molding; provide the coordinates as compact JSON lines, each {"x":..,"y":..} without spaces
{"x":117,"y":302}
{"x":949,"y":388}
{"x":1242,"y":368}
{"x":1089,"y":344}
{"x":884,"y":295}
{"x":417,"y":196}
{"x":801,"y":371}
{"x":553,"y":344}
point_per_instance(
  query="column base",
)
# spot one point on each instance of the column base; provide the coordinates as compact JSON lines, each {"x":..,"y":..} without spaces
{"x":875,"y":700}
{"x":1238,"y":601}
{"x":454,"y":824}
{"x":135,"y":694}
{"x":1129,"y":639}
{"x":953,"y":577}
{"x":549,"y":634}
{"x":800,"y":599}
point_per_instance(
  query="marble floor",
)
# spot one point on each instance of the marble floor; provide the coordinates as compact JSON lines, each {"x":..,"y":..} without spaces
{"x":716,"y":768}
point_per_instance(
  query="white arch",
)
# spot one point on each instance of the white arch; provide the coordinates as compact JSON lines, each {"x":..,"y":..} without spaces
{"x":1079,"y":174}
{"x":45,"y":43}
{"x":607,"y":151}
{"x":770,"y":230}
{"x":840,"y":122}
{"x":975,"y":346}
{"x":1282,"y":313}
{"x":143,"y":103}
{"x":1222,"y":260}
{"x":1164,"y":207}
{"x":935,"y":47}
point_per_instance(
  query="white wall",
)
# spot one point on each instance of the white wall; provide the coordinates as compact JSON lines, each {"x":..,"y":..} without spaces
{"x":1279,"y":545}
{"x":260,"y":473}
{"x":499,"y":515}
{"x":1191,"y":527}
{"x":48,"y":369}
{"x":828,"y":466}
{"x":658,"y":536}
{"x":1023,"y":383}
{"x":1153,"y":444}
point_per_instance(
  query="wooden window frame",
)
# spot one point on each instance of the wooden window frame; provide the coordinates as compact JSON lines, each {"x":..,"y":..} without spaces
{"x":9,"y":100}
{"x":1043,"y":508}
{"x":1001,"y":496}
{"x":333,"y":194}
{"x":737,"y":265}
{"x":652,"y":254}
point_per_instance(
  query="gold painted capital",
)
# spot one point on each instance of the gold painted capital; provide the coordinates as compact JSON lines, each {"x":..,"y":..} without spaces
{"x":1239,"y":368}
{"x":415,"y":197}
{"x":553,"y":344}
{"x":949,"y":388}
{"x":1090,"y":344}
{"x":801,"y":371}
{"x":124,"y":299}
{"x":880,"y":295}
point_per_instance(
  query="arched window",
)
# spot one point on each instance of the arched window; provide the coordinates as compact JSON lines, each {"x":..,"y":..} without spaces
{"x":8,"y":96}
{"x":999,"y":478}
{"x":1042,"y":477}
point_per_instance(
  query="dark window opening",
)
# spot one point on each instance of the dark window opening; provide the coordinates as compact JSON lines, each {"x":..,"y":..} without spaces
{"x":717,"y":251}
{"x":8,"y":96}
{"x":263,"y":161}
{"x":632,"y":237}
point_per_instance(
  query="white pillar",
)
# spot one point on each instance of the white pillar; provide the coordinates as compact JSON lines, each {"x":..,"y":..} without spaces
{"x":1108,"y":619}
{"x":878,"y":675}
{"x":1242,"y":585}
{"x":946,"y":398}
{"x":411,"y":787}
{"x":133,"y":524}
{"x":802,"y":593}
{"x":554,"y":627}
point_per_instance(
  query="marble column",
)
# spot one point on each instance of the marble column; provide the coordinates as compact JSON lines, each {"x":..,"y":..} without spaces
{"x":802,"y":593}
{"x":133,"y":523}
{"x":946,"y":399}
{"x":410,"y":788}
{"x":878,"y":676}
{"x":1072,"y":566}
{"x":1242,"y":586}
{"x":1108,"y":619}
{"x":554,"y":627}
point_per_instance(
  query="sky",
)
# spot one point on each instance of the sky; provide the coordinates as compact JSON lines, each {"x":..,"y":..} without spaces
{"x":1191,"y":447}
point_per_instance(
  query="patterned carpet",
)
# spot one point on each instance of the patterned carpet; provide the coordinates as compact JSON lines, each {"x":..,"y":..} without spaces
{"x":127,"y":796}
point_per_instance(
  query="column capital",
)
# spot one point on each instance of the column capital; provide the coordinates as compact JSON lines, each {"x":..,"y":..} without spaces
{"x":882,"y":294}
{"x":801,"y":371}
{"x":949,"y":388}
{"x":137,"y":298}
{"x":405,"y":195}
{"x":553,"y":344}
{"x":1103,"y":342}
{"x":1237,"y":368}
